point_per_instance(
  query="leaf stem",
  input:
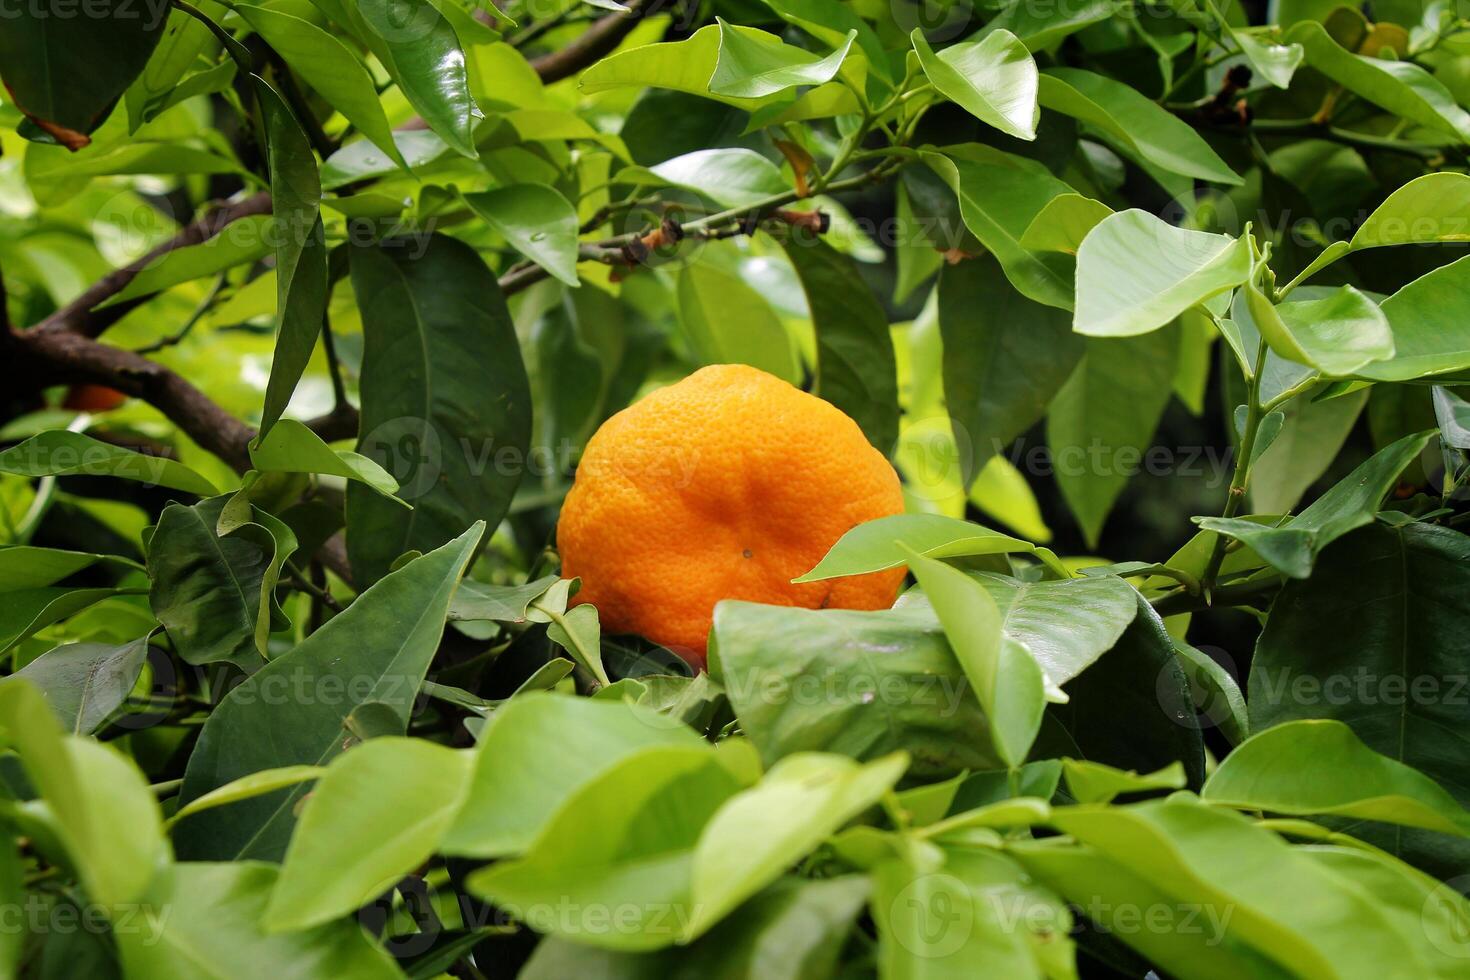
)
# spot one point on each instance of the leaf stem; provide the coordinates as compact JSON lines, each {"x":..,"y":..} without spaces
{"x":1240,"y":479}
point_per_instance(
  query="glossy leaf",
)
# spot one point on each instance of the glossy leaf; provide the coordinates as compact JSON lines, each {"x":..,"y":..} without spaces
{"x":753,"y":64}
{"x":537,"y":221}
{"x":1000,"y":196}
{"x":913,"y":698}
{"x":513,"y":792}
{"x":1340,"y":334}
{"x":887,"y":542}
{"x":1293,"y":546}
{"x":732,"y":177}
{"x":444,"y":431}
{"x":1431,"y":208}
{"x":1321,"y":767}
{"x":1040,"y":28}
{"x":726,"y":321}
{"x":1007,"y":680}
{"x":330,"y":67}
{"x":856,"y":368}
{"x":291,"y":447}
{"x":64,"y":453}
{"x":424,"y":55}
{"x":1430,"y":332}
{"x":382,"y":644}
{"x":993,"y":79}
{"x":1138,"y":125}
{"x":1136,"y":273}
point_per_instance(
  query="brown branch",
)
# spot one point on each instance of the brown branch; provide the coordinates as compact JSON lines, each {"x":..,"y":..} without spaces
{"x":596,"y":42}
{"x":81,"y":316}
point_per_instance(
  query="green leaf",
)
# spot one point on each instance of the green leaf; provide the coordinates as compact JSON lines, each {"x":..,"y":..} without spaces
{"x":204,"y":919}
{"x":330,"y":67}
{"x":515,"y":790}
{"x":856,"y":366}
{"x":753,"y":64}
{"x":1000,"y":196}
{"x":1066,"y":624}
{"x":377,"y":813}
{"x":883,"y":681}
{"x":478,"y":602}
{"x":1430,"y":331}
{"x":85,"y":682}
{"x":624,"y":841}
{"x":67,"y":72}
{"x":101,"y":813}
{"x":1137,"y":124}
{"x":1063,"y":224}
{"x":455,"y":432}
{"x":1008,"y":681}
{"x":1321,"y":767}
{"x":64,"y":453}
{"x":378,"y":649}
{"x":537,"y":221}
{"x":1101,"y":422}
{"x":26,"y":611}
{"x":1431,"y":208}
{"x":684,"y":66}
{"x":1311,"y":437}
{"x":213,"y":592}
{"x":953,"y":920}
{"x":291,"y":447}
{"x":239,"y":242}
{"x":249,"y":787}
{"x":301,"y":251}
{"x":424,"y":56}
{"x":727,"y":322}
{"x":757,"y":834}
{"x":1293,"y":547}
{"x":1041,"y":27}
{"x":578,"y":631}
{"x":807,"y":920}
{"x":1136,"y":273}
{"x":1092,"y":782}
{"x":1340,"y":334}
{"x":1450,"y":411}
{"x":1401,"y":87}
{"x":29,"y":567}
{"x":732,"y":177}
{"x":1132,"y":708}
{"x":994,"y":79}
{"x":1005,"y":357}
{"x":887,"y":542}
{"x":1276,"y":63}
{"x":1377,"y":639}
{"x":1216,"y":693}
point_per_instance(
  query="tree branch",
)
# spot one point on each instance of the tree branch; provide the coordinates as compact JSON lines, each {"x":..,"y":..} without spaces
{"x":81,"y":316}
{"x":594,"y":43}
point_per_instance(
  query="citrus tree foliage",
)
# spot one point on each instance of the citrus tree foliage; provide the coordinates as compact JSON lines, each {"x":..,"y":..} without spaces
{"x":311,"y":306}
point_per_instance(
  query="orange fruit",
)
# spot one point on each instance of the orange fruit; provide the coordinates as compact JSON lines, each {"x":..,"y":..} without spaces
{"x":726,"y":485}
{"x":93,"y":398}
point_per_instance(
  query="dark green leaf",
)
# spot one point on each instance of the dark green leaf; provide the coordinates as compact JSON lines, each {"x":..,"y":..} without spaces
{"x":86,"y":682}
{"x":424,"y":55}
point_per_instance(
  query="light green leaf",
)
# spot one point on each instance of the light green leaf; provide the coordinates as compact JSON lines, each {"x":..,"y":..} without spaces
{"x":1000,"y":196}
{"x":376,"y":814}
{"x":1340,"y":334}
{"x":885,"y":543}
{"x":1137,"y":124}
{"x":1041,"y":27}
{"x":1136,"y":273}
{"x":537,"y":221}
{"x":728,"y":322}
{"x":291,"y":447}
{"x":1430,"y":318}
{"x":732,"y":177}
{"x":1093,"y":782}
{"x":994,"y":79}
{"x":26,"y":611}
{"x":29,"y":567}
{"x":1008,"y":681}
{"x":1401,"y":87}
{"x":759,"y":833}
{"x":249,"y":787}
{"x":1431,"y":208}
{"x":515,"y":790}
{"x":64,"y":453}
{"x":753,"y":64}
{"x":684,"y":66}
{"x":1276,"y":63}
{"x":239,"y":242}
{"x":1320,"y":767}
{"x":1063,"y":224}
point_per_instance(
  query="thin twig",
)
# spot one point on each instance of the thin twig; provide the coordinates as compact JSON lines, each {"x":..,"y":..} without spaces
{"x":199,"y":313}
